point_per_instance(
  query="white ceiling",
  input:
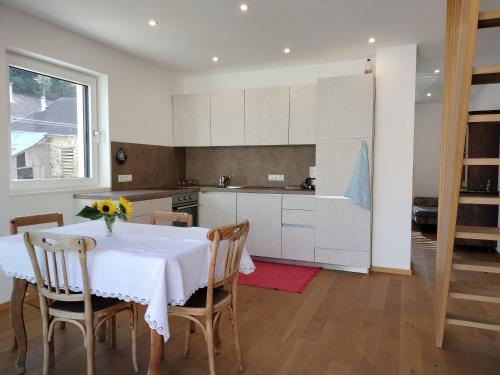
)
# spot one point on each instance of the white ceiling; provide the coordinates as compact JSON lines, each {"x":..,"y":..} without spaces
{"x":190,"y":32}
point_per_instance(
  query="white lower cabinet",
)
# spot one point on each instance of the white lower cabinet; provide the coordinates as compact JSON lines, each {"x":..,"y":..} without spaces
{"x":217,"y":209}
{"x":297,"y":243}
{"x":263,"y":211}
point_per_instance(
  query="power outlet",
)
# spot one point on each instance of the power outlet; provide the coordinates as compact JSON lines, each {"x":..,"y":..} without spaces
{"x":124,"y":178}
{"x":276,"y":177}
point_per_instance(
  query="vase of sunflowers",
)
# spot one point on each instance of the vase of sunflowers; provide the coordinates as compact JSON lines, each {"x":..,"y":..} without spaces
{"x":109,"y":211}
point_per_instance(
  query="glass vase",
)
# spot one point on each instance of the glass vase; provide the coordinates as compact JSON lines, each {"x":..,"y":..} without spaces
{"x":110,"y":221}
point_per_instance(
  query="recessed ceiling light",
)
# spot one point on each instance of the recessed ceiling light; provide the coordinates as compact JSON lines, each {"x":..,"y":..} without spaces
{"x":243,"y":7}
{"x":437,"y":71}
{"x":215,"y":59}
{"x":429,"y":94}
{"x":287,"y":50}
{"x":371,"y":40}
{"x":152,"y":23}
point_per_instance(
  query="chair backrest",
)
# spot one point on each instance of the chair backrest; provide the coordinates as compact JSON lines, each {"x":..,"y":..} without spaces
{"x":54,"y":249}
{"x":235,"y":235}
{"x":25,"y":221}
{"x":170,"y":217}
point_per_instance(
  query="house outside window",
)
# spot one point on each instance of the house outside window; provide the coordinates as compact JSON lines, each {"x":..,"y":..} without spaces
{"x":53,"y":126}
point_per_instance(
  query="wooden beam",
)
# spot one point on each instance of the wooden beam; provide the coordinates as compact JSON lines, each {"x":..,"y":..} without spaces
{"x":467,"y":322}
{"x":482,"y":75}
{"x":486,"y":118}
{"x":482,"y":161}
{"x":478,"y":267}
{"x":479,"y":199}
{"x":461,"y":29}
{"x":489,"y":19}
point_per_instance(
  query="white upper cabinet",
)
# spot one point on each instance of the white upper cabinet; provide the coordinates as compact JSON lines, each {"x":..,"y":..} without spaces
{"x":302,"y":114}
{"x":267,"y":113}
{"x":345,"y":107}
{"x":228,"y":118}
{"x":191,"y":120}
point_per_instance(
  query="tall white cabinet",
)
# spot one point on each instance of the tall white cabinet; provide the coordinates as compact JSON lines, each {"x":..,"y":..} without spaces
{"x":345,"y":117}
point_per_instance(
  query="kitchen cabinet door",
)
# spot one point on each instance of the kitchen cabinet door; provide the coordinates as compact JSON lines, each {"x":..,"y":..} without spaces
{"x":191,"y":120}
{"x":342,"y":225}
{"x":345,"y":107}
{"x":263,"y":211}
{"x":302,"y":114}
{"x":267,"y":113}
{"x":227,"y":118}
{"x":335,"y":163}
{"x":298,"y":243}
{"x":217,"y":209}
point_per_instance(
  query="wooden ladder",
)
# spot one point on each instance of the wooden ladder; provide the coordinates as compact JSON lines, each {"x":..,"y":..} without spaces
{"x":463,"y":21}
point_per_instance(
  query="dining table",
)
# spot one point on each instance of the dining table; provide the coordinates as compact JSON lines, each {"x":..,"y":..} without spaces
{"x":152,"y":265}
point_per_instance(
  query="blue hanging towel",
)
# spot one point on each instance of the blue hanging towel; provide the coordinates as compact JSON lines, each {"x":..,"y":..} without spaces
{"x":359,"y":187}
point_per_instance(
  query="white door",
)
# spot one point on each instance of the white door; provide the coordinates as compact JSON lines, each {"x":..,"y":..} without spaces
{"x":263,"y":211}
{"x":345,"y":107}
{"x":227,"y":118}
{"x":302,"y":114}
{"x":335,"y":163}
{"x":267,"y":113}
{"x":191,"y":120}
{"x":217,"y":209}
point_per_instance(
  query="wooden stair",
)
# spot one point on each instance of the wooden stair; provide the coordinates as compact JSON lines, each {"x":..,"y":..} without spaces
{"x":489,"y":19}
{"x":491,"y":325}
{"x":464,"y":19}
{"x":484,"y":117}
{"x":476,"y":293}
{"x":477,"y":267}
{"x":479,"y":199}
{"x":488,"y":74}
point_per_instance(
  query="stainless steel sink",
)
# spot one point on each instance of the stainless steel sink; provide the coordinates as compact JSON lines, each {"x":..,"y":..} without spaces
{"x":234,"y":187}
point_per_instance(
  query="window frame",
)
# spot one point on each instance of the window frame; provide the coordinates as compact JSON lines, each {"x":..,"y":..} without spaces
{"x":91,"y":136}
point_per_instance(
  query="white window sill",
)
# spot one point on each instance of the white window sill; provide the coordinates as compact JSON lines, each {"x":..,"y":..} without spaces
{"x":74,"y":189}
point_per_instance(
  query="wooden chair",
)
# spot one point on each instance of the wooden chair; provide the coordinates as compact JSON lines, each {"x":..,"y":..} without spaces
{"x":158,"y":217}
{"x":26,"y":221}
{"x":220,"y":294}
{"x":58,"y":304}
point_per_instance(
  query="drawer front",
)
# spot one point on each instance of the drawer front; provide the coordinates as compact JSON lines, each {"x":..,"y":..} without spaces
{"x":342,"y":257}
{"x":298,"y":202}
{"x":297,"y":217}
{"x":298,"y":244}
{"x":142,"y":208}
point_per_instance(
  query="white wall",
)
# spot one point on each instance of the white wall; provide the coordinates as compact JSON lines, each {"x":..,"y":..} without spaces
{"x":139,"y":103}
{"x":427,"y":147}
{"x":271,"y":77}
{"x":393,"y":155}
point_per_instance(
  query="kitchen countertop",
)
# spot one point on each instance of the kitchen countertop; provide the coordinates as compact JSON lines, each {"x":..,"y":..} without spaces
{"x":135,"y":195}
{"x":148,"y":194}
{"x":257,"y":189}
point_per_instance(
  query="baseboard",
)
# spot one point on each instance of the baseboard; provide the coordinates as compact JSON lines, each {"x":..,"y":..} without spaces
{"x":394,"y":271}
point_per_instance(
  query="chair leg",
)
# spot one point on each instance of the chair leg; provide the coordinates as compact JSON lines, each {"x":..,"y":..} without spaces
{"x":188,"y":335}
{"x":101,"y":333}
{"x":234,"y":324}
{"x":51,"y":354}
{"x":111,"y":328}
{"x":133,"y":324}
{"x":14,"y":344}
{"x":217,"y":340}
{"x":46,"y":346}
{"x":90,"y":341}
{"x":209,"y":327}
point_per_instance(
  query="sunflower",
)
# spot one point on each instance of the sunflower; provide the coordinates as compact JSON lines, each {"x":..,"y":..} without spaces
{"x":126,"y":207}
{"x":106,"y":207}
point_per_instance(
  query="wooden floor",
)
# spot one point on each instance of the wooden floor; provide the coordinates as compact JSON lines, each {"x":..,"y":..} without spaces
{"x":343,"y":323}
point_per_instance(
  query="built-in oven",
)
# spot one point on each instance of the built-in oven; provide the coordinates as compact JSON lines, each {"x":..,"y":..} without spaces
{"x":186,"y":202}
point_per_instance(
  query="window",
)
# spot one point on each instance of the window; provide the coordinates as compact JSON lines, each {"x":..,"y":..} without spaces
{"x":53,"y":127}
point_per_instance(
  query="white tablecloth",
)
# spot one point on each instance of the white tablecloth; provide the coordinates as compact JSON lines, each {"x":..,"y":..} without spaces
{"x":147,"y":264}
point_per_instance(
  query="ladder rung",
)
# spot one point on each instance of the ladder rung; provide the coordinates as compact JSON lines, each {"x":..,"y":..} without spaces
{"x":489,"y":19}
{"x":484,"y":118}
{"x":482,"y":75}
{"x":467,"y":322}
{"x":477,"y":233}
{"x":479,"y":199}
{"x":477,"y":267}
{"x":482,"y":161}
{"x":475,"y":292}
